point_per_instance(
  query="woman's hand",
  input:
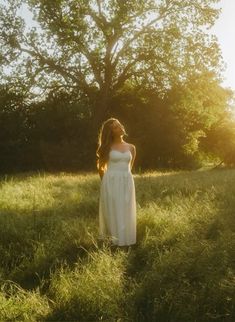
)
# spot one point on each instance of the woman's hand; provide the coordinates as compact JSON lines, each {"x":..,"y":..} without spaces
{"x":101,"y":174}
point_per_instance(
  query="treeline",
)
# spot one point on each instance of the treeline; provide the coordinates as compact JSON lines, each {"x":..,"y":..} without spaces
{"x":190,"y":125}
{"x":152,"y":64}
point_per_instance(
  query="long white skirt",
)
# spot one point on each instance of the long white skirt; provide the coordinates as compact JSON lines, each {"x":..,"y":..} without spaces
{"x":117,"y":208}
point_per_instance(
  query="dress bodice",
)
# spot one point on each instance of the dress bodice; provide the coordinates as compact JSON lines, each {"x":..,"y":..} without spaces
{"x":119,"y":161}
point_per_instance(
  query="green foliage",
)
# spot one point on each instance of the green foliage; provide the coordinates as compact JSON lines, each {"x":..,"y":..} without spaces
{"x":56,"y":131}
{"x":198,"y":105}
{"x":169,"y":131}
{"x":220,"y":140}
{"x":96,"y":46}
{"x":180,"y":130}
{"x":13,"y":127}
{"x":150,"y":63}
{"x":48,"y":134}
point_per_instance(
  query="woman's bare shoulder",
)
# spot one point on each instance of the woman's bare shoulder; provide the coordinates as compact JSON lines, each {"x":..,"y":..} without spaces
{"x":132,"y":147}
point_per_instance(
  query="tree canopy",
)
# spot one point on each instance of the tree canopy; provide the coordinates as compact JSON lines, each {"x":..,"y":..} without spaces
{"x":94,"y":47}
{"x":151,"y":63}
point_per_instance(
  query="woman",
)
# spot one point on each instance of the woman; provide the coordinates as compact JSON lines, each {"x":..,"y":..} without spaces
{"x":117,"y":203}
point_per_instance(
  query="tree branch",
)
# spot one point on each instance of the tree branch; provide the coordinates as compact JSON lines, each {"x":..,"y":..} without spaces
{"x":139,"y":33}
{"x":125,"y":75}
{"x":58,"y":68}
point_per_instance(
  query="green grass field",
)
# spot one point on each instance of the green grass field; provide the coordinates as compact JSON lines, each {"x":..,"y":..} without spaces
{"x":54,"y":268}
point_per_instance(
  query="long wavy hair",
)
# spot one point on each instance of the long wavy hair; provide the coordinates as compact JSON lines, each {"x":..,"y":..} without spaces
{"x":105,"y":139}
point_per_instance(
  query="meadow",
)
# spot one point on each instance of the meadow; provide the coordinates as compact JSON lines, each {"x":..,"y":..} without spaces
{"x":53,"y":267}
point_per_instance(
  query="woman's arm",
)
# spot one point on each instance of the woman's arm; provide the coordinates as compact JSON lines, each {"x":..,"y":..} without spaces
{"x":133,"y":152}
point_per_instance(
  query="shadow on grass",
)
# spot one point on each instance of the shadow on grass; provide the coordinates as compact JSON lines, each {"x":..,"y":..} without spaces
{"x":33,"y":242}
{"x":24,"y":233}
{"x":36,"y":244}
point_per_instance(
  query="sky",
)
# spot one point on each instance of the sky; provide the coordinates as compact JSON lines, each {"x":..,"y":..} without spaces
{"x":224,"y":29}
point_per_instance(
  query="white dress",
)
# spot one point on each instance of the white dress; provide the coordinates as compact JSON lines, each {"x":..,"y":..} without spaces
{"x":117,"y":203}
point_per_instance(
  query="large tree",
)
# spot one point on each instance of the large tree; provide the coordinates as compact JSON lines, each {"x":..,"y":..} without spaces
{"x":92,"y":47}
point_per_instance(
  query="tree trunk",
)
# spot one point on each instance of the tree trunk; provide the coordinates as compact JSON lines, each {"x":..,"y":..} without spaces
{"x":101,"y":109}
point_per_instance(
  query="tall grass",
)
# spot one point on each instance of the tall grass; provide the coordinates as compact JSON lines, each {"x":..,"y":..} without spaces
{"x":54,"y":268}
